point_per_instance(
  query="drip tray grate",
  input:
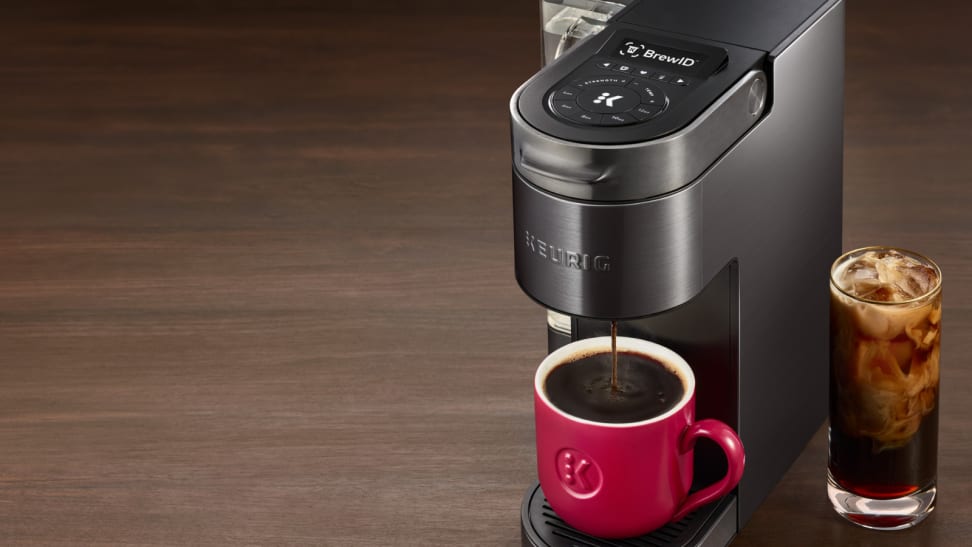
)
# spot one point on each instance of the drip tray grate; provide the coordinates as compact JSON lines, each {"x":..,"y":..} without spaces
{"x":543,"y":528}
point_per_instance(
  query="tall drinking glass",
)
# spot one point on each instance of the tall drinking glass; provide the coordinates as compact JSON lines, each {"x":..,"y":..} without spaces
{"x":885,"y":330}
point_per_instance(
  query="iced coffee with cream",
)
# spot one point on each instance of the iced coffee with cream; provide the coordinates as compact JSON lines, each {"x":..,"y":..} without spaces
{"x":886,"y":316}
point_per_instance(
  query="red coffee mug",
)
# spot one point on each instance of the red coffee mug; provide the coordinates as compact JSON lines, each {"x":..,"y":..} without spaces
{"x":618,"y":480}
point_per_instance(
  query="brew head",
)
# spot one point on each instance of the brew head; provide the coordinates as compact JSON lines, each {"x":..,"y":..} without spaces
{"x":607,"y":260}
{"x":606,"y":204}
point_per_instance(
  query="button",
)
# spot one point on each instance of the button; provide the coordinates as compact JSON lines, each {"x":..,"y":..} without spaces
{"x":566,"y":108}
{"x":596,"y":81}
{"x":586,"y":117}
{"x":644,"y":73}
{"x":605,"y":64}
{"x":620,"y":118}
{"x":567,"y":93}
{"x":609,"y":99}
{"x":646,"y":111}
{"x":623,"y":68}
{"x":661,"y":77}
{"x":574,"y":113}
{"x":678,"y":80}
{"x":650,"y":94}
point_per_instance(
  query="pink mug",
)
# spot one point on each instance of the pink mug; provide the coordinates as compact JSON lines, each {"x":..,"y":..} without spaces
{"x":618,"y":480}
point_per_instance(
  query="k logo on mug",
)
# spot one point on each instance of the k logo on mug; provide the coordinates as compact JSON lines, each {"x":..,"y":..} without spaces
{"x":578,"y":472}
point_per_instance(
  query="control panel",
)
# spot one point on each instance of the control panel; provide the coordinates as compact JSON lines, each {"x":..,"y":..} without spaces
{"x":633,"y":79}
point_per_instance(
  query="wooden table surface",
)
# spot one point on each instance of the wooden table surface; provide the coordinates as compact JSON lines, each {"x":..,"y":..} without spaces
{"x":256,"y":281}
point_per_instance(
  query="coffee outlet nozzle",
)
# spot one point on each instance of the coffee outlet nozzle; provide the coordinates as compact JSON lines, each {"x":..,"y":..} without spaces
{"x":681,"y":171}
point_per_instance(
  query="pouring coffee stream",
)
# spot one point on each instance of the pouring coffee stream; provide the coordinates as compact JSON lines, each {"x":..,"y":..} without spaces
{"x":614,"y":357}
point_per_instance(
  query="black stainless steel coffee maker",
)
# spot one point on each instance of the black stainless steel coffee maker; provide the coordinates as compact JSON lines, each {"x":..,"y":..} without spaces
{"x":679,"y":170}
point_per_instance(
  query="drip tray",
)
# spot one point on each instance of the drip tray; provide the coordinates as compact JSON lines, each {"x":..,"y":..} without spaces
{"x":711,"y":525}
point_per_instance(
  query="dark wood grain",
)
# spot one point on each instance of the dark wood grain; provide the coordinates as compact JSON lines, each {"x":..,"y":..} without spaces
{"x":256,"y":277}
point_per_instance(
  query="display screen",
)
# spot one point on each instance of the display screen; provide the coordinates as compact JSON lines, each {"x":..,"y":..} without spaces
{"x":676,"y":60}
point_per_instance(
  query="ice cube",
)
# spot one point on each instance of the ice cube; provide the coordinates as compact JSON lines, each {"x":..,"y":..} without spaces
{"x":886,"y":275}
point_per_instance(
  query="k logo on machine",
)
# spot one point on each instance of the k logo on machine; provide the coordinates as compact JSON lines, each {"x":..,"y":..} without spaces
{"x":607,"y":99}
{"x":632,"y":49}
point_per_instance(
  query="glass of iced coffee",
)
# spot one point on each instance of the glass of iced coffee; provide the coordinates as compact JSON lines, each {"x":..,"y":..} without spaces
{"x":885,"y":330}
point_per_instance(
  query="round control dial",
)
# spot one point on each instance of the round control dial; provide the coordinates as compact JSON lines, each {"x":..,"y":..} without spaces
{"x":608,"y":100}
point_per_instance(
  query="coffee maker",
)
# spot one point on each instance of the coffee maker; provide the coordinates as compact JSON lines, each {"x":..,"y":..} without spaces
{"x":679,"y":170}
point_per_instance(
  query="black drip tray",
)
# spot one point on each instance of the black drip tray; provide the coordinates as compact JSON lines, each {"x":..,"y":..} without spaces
{"x":543,"y":528}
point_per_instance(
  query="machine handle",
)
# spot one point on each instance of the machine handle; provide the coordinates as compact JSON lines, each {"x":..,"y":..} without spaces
{"x":578,"y":176}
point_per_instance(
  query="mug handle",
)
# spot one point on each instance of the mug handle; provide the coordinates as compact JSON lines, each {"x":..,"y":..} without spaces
{"x":729,"y":442}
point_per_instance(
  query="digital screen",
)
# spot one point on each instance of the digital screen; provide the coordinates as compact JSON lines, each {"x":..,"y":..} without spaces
{"x":674,"y":59}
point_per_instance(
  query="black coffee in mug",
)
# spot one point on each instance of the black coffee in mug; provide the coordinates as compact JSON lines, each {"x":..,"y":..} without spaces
{"x":582,"y":388}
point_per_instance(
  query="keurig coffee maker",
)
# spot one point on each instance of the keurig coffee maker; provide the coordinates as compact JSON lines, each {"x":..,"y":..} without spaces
{"x":679,"y":170}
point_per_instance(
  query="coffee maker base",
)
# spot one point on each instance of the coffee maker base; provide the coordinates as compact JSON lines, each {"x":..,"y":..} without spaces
{"x":711,"y":525}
